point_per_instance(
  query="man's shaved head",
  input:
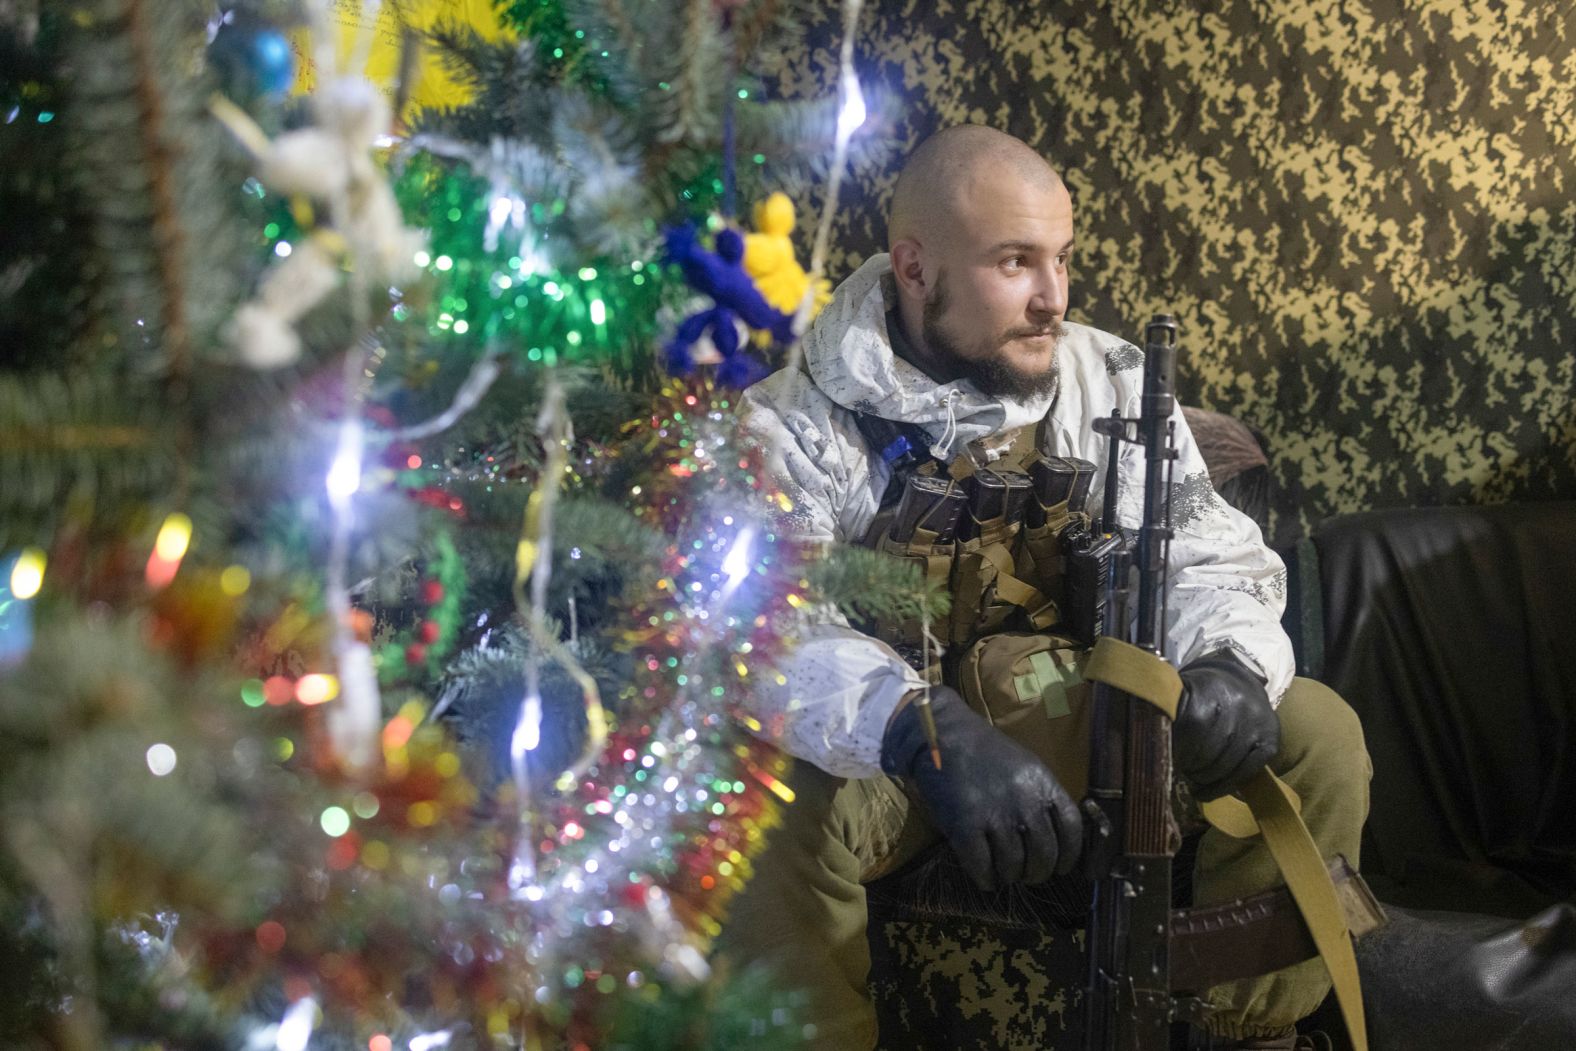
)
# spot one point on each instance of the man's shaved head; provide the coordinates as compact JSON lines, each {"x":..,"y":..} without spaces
{"x":943,"y":169}
{"x":980,"y":233}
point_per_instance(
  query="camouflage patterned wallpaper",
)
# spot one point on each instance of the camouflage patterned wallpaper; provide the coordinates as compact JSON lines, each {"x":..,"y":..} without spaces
{"x":1362,"y":211}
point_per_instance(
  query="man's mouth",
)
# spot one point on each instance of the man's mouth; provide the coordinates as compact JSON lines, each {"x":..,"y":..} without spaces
{"x":1052,"y":332}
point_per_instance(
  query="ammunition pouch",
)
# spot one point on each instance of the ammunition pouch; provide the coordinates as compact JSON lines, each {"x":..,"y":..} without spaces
{"x":986,"y":535}
{"x":1031,"y":685}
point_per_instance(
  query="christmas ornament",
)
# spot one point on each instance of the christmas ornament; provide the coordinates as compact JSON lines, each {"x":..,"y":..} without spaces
{"x":252,"y":60}
{"x":330,"y":163}
{"x":769,"y":258}
{"x":378,"y":34}
{"x":721,"y":276}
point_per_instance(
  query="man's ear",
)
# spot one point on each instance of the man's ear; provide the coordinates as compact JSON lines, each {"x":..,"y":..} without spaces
{"x":908,"y":268}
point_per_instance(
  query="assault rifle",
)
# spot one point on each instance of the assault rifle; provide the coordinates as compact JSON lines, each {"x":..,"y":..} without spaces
{"x":1149,"y":964}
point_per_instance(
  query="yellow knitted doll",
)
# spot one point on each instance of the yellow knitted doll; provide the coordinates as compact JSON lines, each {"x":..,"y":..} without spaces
{"x":770,"y":262}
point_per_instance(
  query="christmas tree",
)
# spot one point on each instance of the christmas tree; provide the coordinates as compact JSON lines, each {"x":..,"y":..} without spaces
{"x":383,"y":574}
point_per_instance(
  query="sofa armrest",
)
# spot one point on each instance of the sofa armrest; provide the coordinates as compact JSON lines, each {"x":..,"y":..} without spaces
{"x":1452,"y":632}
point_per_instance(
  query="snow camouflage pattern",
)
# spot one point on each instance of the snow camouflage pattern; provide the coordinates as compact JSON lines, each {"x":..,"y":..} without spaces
{"x":842,"y":686}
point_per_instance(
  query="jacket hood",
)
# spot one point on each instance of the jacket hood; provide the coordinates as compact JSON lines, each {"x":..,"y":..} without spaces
{"x":849,"y":356}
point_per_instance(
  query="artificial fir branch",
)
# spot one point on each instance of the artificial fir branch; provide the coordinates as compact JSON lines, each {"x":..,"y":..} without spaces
{"x":86,"y":448}
{"x":621,"y":28}
{"x":695,"y":82}
{"x":162,"y":269}
{"x":758,"y":23}
{"x":163,"y":154}
{"x":86,"y":829}
{"x":875,"y":587}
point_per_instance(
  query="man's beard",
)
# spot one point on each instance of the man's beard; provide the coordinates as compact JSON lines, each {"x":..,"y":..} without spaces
{"x":992,"y":374}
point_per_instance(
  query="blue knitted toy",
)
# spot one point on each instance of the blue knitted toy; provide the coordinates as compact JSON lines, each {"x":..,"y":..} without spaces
{"x":721,"y":275}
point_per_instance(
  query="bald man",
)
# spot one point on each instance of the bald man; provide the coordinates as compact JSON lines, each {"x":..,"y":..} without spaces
{"x":957,"y":339}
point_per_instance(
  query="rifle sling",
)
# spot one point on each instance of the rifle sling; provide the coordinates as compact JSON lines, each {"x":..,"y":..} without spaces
{"x":1276,"y":817}
{"x":1135,"y":671}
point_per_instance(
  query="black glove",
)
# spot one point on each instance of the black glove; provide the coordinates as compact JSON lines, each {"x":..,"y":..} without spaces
{"x":999,"y":807}
{"x":1225,"y":730}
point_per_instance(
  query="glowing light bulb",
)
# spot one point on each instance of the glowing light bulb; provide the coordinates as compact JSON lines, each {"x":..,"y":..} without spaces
{"x":498,"y":212}
{"x":316,"y":688}
{"x":296,"y":1027}
{"x":168,"y":549}
{"x":505,"y":210}
{"x":344,"y":475}
{"x":853,"y":112}
{"x":736,"y":566}
{"x":528,"y":731}
{"x":161,"y":759}
{"x":27,"y":575}
{"x":174,"y":537}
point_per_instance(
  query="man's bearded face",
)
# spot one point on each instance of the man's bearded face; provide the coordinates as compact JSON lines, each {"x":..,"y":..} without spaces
{"x":1017,"y":361}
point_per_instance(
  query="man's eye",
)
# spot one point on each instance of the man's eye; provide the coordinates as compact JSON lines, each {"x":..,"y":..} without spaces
{"x":1013,"y":262}
{"x":1064,"y":258}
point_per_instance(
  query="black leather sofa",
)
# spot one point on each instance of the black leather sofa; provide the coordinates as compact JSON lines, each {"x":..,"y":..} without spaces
{"x":1452,"y":632}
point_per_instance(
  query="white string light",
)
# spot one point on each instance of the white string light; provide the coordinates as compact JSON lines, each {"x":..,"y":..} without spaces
{"x":850,"y":115}
{"x":344,"y":475}
{"x":736,"y":566}
{"x":295,"y":1029}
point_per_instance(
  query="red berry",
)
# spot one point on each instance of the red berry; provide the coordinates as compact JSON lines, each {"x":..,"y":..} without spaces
{"x":432,"y":592}
{"x":415,"y":653}
{"x":428,"y":632}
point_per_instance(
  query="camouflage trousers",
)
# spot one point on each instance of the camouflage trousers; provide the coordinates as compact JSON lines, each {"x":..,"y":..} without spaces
{"x":803,"y":913}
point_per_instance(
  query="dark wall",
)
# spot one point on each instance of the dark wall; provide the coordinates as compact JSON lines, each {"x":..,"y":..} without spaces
{"x":1362,"y":211}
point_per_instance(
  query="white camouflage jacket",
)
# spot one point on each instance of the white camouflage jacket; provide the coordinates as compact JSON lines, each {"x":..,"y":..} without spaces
{"x":839,"y":686}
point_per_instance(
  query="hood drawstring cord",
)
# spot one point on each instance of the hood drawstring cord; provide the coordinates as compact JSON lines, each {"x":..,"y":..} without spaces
{"x":950,"y":434}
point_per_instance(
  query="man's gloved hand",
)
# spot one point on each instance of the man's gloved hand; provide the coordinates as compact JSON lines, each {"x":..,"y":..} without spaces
{"x":1225,"y":729}
{"x":1000,"y":808}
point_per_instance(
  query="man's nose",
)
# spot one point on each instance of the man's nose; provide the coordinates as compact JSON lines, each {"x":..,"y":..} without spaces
{"x":1050,"y":296}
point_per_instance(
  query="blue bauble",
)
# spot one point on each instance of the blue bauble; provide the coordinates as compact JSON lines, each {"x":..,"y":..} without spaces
{"x":271,"y":61}
{"x":253,"y":60}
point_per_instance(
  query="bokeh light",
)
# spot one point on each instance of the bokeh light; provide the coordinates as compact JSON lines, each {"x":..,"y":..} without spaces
{"x":161,"y":759}
{"x":335,"y":821}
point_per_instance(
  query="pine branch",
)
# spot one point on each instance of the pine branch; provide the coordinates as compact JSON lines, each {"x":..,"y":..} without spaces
{"x":777,"y":25}
{"x":627,"y":34}
{"x":168,"y":236}
{"x":86,"y":830}
{"x":147,"y":161}
{"x":697,"y":78}
{"x":876,"y":587}
{"x":486,"y":684}
{"x":604,"y":532}
{"x":512,"y":92}
{"x":806,"y":128}
{"x":795,"y":126}
{"x":43,"y":317}
{"x":618,"y":30}
{"x":91,"y":447}
{"x":612,"y":207}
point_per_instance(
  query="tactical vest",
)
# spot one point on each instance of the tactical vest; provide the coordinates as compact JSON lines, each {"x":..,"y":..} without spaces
{"x":993,"y":536}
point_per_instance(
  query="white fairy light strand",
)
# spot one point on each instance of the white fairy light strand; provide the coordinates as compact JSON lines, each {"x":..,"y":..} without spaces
{"x":536,"y":540}
{"x":850,"y":115}
{"x":470,"y":393}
